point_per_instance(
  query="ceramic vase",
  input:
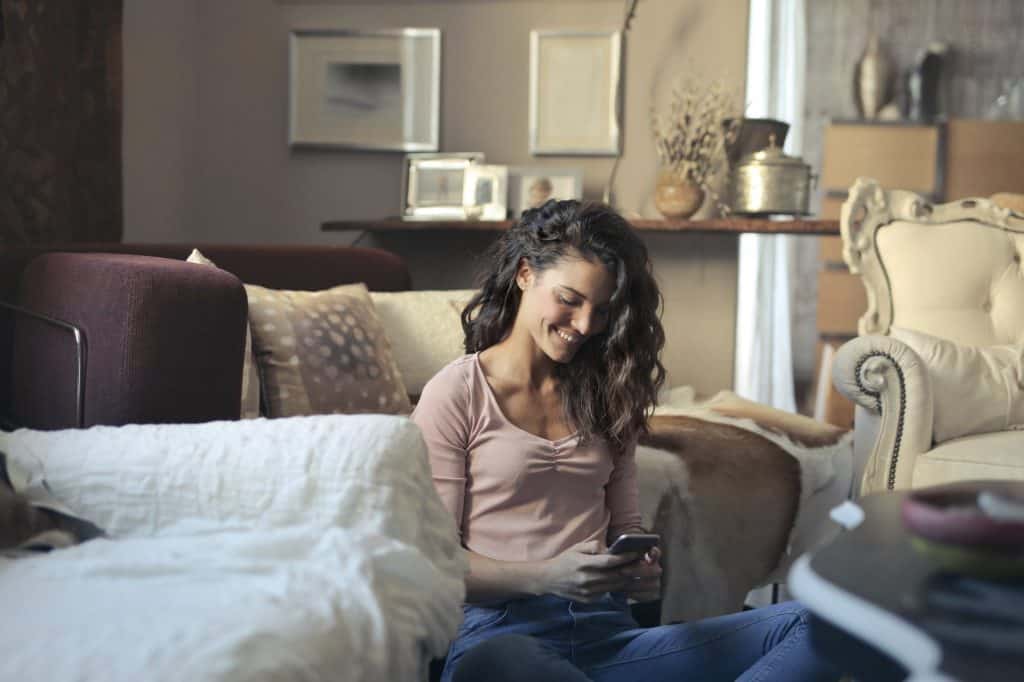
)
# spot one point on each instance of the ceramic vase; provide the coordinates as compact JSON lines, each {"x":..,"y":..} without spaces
{"x":872,"y":80}
{"x":677,"y":197}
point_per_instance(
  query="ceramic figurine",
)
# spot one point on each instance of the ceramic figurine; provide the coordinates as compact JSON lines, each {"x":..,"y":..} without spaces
{"x":923,"y":83}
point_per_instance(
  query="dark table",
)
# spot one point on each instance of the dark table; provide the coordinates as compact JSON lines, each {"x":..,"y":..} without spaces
{"x":882,"y":610}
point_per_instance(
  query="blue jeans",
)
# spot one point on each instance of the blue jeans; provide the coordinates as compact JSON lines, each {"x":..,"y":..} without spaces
{"x":550,"y":638}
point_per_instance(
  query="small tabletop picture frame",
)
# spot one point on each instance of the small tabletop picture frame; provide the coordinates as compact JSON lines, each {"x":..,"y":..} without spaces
{"x":531,"y":186}
{"x":574,"y":93}
{"x":372,"y":90}
{"x":436,"y":186}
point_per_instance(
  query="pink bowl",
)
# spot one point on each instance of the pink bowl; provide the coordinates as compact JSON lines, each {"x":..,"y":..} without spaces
{"x":953,"y":517}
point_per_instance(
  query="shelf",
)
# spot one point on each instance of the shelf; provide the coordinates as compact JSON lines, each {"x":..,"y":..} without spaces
{"x":726,"y":225}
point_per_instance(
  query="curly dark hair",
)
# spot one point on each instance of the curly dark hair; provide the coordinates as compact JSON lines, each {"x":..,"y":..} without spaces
{"x":609,"y":388}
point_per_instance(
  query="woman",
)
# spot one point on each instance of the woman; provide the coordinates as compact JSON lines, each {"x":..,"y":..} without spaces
{"x":532,"y":439}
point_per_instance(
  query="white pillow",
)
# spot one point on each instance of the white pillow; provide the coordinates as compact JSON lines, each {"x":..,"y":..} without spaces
{"x":976,"y":389}
{"x":250,"y":398}
{"x":425,"y":331}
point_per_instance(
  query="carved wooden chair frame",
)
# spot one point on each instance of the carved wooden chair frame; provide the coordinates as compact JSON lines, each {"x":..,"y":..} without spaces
{"x":869,"y":207}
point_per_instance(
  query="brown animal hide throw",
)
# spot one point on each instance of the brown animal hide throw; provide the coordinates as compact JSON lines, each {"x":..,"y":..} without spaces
{"x":725,"y":492}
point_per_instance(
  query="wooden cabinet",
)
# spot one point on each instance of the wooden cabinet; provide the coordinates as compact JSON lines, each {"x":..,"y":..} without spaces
{"x":945,"y":161}
{"x":983,"y":158}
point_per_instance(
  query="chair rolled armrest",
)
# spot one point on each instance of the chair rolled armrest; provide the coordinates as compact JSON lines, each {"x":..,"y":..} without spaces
{"x":890,"y":382}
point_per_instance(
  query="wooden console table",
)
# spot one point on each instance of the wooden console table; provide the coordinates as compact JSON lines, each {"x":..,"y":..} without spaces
{"x":719,"y":225}
{"x":695,"y":261}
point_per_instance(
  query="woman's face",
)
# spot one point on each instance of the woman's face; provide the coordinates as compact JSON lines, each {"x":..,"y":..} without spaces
{"x":564,"y":305}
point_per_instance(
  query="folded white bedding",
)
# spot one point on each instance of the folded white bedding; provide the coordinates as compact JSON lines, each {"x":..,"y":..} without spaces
{"x":306,"y":548}
{"x":299,"y":603}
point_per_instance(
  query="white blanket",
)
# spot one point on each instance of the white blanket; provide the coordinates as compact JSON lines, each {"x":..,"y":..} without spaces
{"x":310,"y":548}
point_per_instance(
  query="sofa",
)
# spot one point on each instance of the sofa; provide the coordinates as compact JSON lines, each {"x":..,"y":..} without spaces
{"x":937,"y":372}
{"x":735,"y":489}
{"x":165,"y":338}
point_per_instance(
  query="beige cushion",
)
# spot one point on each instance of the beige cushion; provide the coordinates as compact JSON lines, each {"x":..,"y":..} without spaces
{"x":250,"y":399}
{"x":975,"y":389}
{"x":323,"y":352}
{"x":960,"y":281}
{"x":986,"y":456}
{"x":425,"y":330}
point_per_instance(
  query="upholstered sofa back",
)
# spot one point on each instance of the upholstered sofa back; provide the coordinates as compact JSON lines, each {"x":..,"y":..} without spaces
{"x":949,"y":270}
{"x":304,"y":267}
{"x":163,"y":338}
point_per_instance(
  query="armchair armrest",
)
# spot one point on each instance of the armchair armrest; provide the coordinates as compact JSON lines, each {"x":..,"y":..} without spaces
{"x":890,"y":383}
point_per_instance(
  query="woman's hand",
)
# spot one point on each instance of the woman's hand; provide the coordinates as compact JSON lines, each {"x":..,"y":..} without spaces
{"x":585,"y":571}
{"x":644,"y":577}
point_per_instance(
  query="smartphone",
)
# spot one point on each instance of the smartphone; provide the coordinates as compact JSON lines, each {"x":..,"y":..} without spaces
{"x":634,"y":542}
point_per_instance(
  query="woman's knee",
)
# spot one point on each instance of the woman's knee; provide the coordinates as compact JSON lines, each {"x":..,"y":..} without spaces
{"x":514,"y":658}
{"x":791,"y":618}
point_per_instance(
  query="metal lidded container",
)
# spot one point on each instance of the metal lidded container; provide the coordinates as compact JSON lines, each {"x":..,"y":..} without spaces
{"x":769,"y":181}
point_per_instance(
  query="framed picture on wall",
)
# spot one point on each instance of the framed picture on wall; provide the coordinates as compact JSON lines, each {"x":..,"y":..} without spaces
{"x":574,"y":92}
{"x":375,"y":90}
{"x":531,"y":186}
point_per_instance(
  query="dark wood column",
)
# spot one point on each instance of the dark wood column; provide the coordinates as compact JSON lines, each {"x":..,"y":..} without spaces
{"x":60,"y":121}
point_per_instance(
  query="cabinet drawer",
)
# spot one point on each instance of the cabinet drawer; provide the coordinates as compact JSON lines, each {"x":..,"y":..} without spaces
{"x":898,"y":156}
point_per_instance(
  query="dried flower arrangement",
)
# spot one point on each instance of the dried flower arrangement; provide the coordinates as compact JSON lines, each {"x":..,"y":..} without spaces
{"x":690,"y":137}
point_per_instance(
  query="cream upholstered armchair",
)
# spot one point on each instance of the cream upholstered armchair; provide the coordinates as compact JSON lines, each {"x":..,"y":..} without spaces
{"x":937,"y":372}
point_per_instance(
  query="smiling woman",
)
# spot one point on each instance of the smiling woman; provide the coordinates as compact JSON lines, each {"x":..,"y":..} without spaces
{"x":532,"y":269}
{"x":532,"y":441}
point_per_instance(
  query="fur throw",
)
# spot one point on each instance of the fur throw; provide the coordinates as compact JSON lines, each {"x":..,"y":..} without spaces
{"x":736,"y":500}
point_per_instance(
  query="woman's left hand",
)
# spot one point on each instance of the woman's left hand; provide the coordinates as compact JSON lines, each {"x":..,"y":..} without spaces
{"x":644,"y":575}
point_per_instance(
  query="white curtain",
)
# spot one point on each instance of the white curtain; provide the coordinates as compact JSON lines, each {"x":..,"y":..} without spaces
{"x":775,"y":89}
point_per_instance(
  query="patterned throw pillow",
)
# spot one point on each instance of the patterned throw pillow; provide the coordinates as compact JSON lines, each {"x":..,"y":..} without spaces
{"x":250,"y":402}
{"x":323,"y":352}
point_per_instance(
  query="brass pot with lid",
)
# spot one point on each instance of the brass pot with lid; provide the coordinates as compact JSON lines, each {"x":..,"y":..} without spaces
{"x":769,"y":181}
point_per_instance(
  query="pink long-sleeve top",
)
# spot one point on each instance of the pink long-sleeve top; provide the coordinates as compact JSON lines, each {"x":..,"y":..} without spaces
{"x":517,"y":496}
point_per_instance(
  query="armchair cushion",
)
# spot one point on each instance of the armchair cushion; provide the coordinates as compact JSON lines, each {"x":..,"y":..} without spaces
{"x":984,"y":456}
{"x":975,"y":389}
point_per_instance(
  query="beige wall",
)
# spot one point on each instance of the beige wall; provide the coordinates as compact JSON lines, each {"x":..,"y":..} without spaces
{"x":160,"y":74}
{"x":206,"y":156}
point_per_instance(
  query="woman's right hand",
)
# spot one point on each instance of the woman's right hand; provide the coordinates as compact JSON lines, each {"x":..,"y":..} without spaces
{"x":585,"y":571}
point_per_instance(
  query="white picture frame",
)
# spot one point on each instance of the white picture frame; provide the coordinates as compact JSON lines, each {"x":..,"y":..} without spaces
{"x":370,"y":90}
{"x":486,"y":192}
{"x":527,"y":187}
{"x":574,"y":93}
{"x":435,"y":186}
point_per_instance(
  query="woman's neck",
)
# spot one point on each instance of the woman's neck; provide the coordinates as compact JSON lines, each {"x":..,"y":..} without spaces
{"x":520,"y":361}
